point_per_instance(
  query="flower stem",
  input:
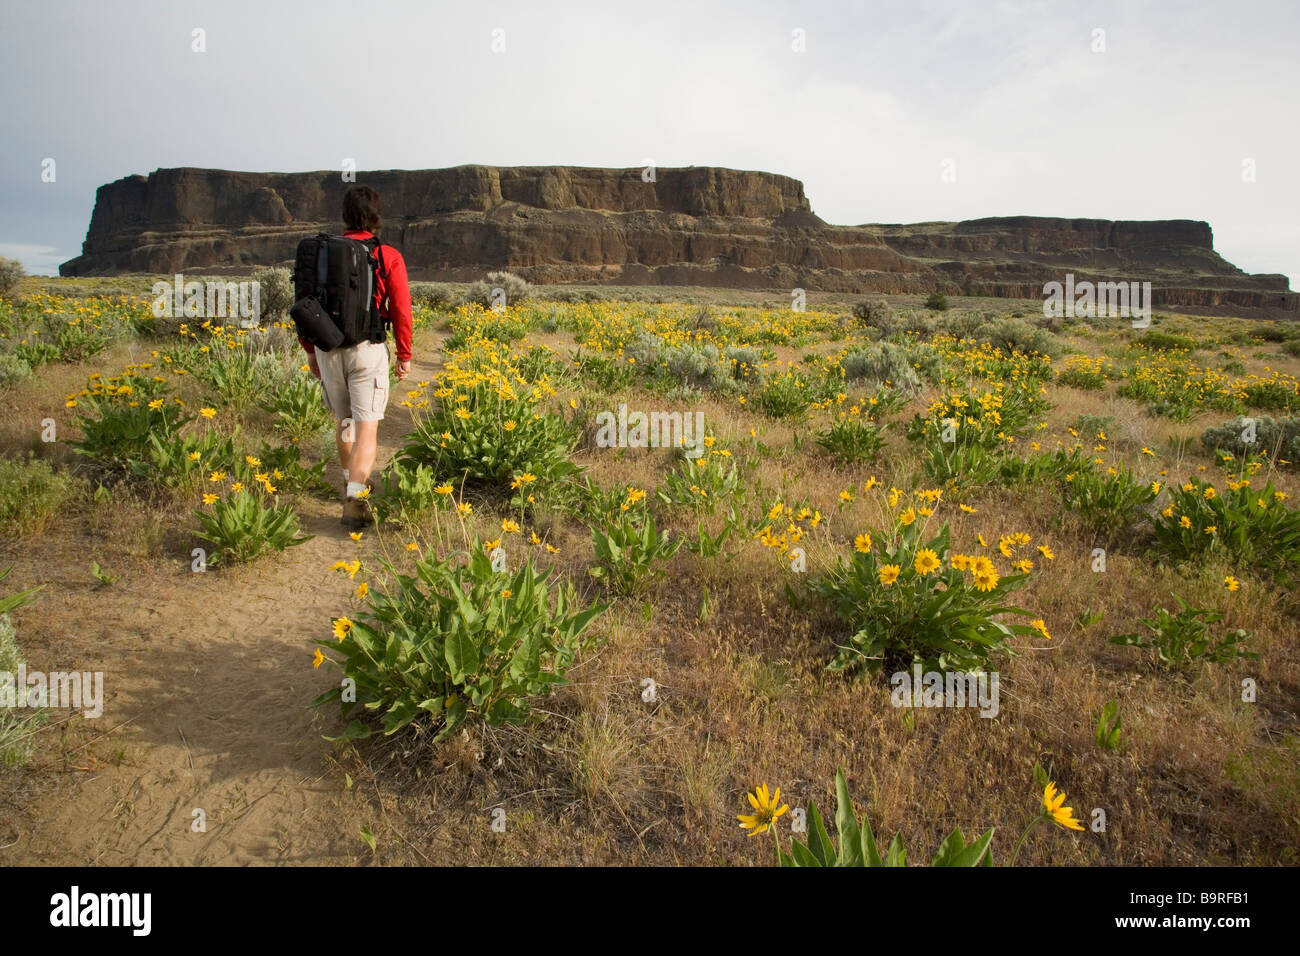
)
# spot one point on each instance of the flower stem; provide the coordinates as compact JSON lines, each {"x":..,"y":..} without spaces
{"x":1019,"y":843}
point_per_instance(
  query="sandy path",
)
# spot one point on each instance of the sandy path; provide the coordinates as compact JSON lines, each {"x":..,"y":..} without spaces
{"x":208,"y":678}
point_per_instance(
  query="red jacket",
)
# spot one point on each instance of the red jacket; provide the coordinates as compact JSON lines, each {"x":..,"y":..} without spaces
{"x":392,"y":295}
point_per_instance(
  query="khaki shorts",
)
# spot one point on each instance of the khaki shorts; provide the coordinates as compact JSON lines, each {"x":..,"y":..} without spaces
{"x":354,"y":381}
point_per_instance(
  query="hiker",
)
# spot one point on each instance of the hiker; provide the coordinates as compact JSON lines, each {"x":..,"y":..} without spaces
{"x":354,"y":377}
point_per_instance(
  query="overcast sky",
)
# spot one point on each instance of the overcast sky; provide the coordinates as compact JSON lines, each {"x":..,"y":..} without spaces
{"x":1036,"y":123}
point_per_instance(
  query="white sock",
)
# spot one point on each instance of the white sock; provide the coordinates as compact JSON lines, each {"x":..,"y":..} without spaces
{"x":346,"y":474}
{"x":355,"y":488}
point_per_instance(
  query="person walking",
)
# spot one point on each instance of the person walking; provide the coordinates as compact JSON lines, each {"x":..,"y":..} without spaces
{"x":354,"y":378}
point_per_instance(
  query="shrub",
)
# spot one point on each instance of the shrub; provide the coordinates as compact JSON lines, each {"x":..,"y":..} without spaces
{"x":963,"y":324}
{"x":1273,"y":393}
{"x":702,"y":483}
{"x":910,"y":601}
{"x":885,"y":364}
{"x":852,"y":438}
{"x":960,"y":466}
{"x":275,"y":293}
{"x":489,"y":291}
{"x":785,"y":396}
{"x":434,"y":295}
{"x":471,"y":323}
{"x":746,"y":364}
{"x":1082,"y":371}
{"x":13,"y":370}
{"x":937,"y":302}
{"x":607,"y":372}
{"x":275,"y":340}
{"x":644,"y":350}
{"x":1108,"y":503}
{"x":1165,"y":342}
{"x":1254,"y":527}
{"x":299,"y":412}
{"x":1276,"y":438}
{"x":1017,"y":335}
{"x":32,"y":493}
{"x":183,"y":461}
{"x":455,"y":639}
{"x":244,"y":526}
{"x":918,"y":324}
{"x":629,"y":550}
{"x":119,"y":430}
{"x":1185,"y":638}
{"x":972,"y":417}
{"x":1270,"y":332}
{"x":875,"y":313}
{"x":17,"y":725}
{"x":240,"y":379}
{"x":697,"y":366}
{"x":11,"y":273}
{"x":484,"y":432}
{"x":1092,"y":426}
{"x":703,"y":320}
{"x":501,"y":439}
{"x":573,"y":296}
{"x":408,"y":490}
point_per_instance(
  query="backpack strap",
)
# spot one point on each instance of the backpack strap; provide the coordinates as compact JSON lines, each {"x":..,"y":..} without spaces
{"x":379,"y":257}
{"x":378,"y":323}
{"x":322,"y":266}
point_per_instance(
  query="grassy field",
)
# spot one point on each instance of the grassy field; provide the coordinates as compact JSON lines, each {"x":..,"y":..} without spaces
{"x":978,"y":490}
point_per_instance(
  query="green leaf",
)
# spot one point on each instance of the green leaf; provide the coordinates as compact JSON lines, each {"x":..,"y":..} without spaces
{"x":819,"y":841}
{"x":896,"y":856}
{"x":368,"y":839}
{"x":954,"y":850}
{"x":802,"y":856}
{"x":356,"y":730}
{"x":461,"y":655}
{"x":850,"y":853}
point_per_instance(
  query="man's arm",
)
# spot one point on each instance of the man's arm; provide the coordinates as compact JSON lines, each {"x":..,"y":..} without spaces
{"x":399,"y":310}
{"x":311,"y":357}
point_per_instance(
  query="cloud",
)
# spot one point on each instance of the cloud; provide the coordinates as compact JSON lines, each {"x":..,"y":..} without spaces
{"x":37,"y":260}
{"x":1156,"y":126}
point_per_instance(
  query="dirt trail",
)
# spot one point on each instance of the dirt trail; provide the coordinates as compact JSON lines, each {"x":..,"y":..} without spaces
{"x":207,"y":681}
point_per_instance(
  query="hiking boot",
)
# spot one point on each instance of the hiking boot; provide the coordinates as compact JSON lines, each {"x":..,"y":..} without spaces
{"x":356,"y":514}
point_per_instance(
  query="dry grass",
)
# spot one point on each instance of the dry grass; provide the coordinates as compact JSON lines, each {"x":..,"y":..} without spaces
{"x":742,"y":695}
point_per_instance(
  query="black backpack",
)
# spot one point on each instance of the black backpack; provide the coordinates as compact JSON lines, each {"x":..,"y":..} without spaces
{"x":334,"y":284}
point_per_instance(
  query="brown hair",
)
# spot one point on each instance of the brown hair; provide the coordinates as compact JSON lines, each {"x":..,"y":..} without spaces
{"x":361,"y":209}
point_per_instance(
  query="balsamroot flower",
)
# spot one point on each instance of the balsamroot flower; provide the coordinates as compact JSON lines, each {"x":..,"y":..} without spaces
{"x":766,"y":810}
{"x":1052,"y":807}
{"x":927,"y":561}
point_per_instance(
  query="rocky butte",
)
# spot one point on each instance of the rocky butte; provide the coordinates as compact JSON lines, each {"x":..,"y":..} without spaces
{"x":701,"y":226}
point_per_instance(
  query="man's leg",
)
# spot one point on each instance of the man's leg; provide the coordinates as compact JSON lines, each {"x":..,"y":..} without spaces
{"x":345,"y":427}
{"x":367,"y":397}
{"x":361,"y":454}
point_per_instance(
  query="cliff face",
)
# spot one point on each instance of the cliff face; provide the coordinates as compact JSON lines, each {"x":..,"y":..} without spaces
{"x":695,"y":226}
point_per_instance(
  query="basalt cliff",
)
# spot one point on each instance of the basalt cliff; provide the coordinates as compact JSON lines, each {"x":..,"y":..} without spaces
{"x":701,"y":226}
